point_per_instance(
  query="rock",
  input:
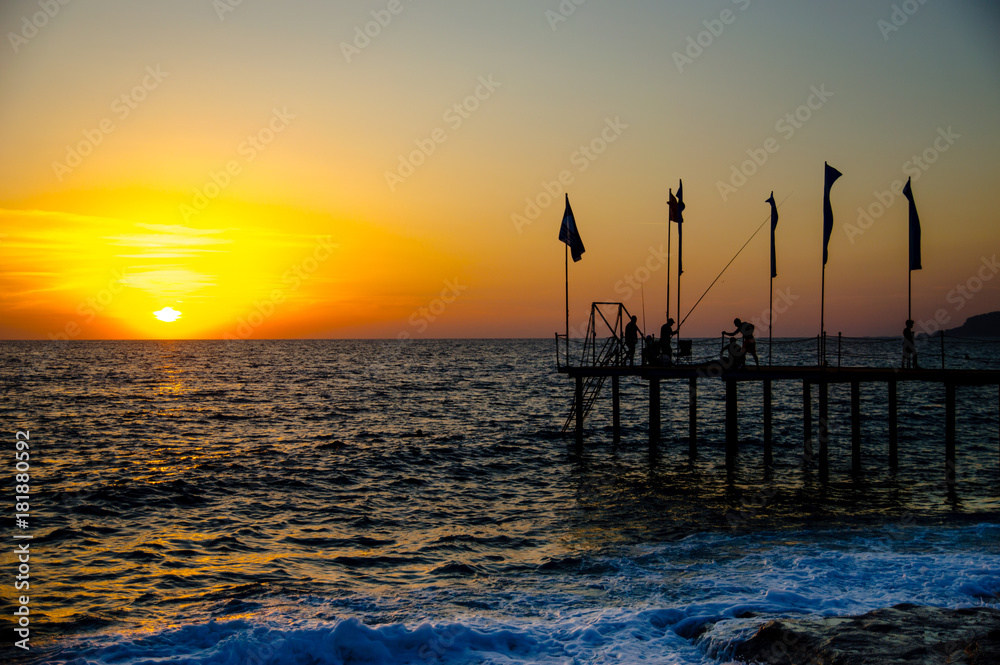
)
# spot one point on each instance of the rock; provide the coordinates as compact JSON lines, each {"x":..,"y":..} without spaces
{"x":980,"y":325}
{"x":906,"y":633}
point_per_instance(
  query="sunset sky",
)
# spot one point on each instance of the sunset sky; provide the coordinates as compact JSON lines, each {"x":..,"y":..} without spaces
{"x":377,"y":168}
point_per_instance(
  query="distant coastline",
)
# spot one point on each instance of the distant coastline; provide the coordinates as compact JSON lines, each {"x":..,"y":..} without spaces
{"x":980,"y":325}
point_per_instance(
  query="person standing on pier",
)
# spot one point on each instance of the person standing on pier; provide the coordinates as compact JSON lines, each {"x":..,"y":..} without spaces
{"x":650,"y":351}
{"x":909,"y":347}
{"x":745,"y":328}
{"x":631,"y":338}
{"x":666,"y":332}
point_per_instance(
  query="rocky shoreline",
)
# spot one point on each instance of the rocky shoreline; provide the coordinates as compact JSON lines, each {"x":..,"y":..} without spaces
{"x":905,"y":633}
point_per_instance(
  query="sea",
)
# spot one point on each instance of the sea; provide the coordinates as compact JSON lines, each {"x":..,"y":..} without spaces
{"x":386,"y":501}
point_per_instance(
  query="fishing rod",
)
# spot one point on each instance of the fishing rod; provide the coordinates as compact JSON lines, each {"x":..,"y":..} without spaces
{"x":731,"y":261}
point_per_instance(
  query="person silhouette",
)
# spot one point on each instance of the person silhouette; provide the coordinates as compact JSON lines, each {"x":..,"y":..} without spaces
{"x":745,"y":329}
{"x":650,"y":352}
{"x":909,"y":347}
{"x":735,"y":358}
{"x":631,"y":337}
{"x":666,"y":332}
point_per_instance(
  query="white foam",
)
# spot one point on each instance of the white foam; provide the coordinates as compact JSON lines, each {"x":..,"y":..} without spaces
{"x":669,"y":603}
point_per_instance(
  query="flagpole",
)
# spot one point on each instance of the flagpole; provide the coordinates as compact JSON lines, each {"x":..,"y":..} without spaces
{"x":679,"y":273}
{"x":680,"y":257}
{"x":830,"y":176}
{"x":668,"y":266}
{"x":772,"y":272}
{"x":678,"y":295}
{"x":770,"y":321}
{"x":822,"y":308}
{"x":567,"y":304}
{"x":909,"y":295}
{"x":914,"y":257}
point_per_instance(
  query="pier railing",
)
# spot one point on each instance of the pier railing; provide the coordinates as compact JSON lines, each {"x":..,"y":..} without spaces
{"x":604,"y":345}
{"x":604,"y":341}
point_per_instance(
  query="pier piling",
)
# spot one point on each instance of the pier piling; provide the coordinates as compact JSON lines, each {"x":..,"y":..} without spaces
{"x":654,"y":412}
{"x":893,"y":432}
{"x":807,"y":425}
{"x":855,"y":427}
{"x":949,"y":432}
{"x":768,"y":455}
{"x":824,"y":433}
{"x":732,"y":424}
{"x":693,"y":417}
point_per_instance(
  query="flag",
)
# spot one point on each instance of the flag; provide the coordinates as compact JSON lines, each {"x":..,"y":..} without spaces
{"x":774,"y":225}
{"x":676,"y":207}
{"x":830,"y":177}
{"x":569,"y":234}
{"x":914,"y":229}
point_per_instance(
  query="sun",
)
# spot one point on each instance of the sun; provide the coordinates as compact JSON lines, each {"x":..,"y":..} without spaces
{"x":167,"y":314}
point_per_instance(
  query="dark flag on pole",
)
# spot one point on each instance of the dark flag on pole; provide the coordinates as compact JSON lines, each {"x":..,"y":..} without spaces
{"x":569,"y":234}
{"x":914,"y":229}
{"x":774,"y":225}
{"x":677,"y":215}
{"x":830,"y":177}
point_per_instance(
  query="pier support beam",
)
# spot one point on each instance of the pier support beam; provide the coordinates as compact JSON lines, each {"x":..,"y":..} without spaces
{"x":768,"y":432}
{"x":732,"y":424}
{"x":949,"y":433}
{"x":654,"y":412}
{"x":893,"y":431}
{"x":693,"y":417}
{"x":807,"y":420}
{"x":824,"y":432}
{"x":855,"y":427}
{"x":578,"y":402}
{"x":616,"y":409}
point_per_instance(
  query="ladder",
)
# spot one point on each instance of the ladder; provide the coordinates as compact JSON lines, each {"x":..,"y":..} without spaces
{"x":610,"y":353}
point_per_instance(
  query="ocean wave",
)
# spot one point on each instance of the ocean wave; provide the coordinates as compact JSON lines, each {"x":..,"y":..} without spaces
{"x":349,"y":641}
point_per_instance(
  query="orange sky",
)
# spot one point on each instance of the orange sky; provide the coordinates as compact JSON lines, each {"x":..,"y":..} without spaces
{"x":274,"y":172}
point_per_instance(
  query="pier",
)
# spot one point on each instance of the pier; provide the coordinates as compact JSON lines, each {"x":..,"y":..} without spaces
{"x":603,"y":358}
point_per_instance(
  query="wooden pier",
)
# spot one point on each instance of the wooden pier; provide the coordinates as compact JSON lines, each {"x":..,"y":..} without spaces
{"x":819,"y":378}
{"x":605,"y":357}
